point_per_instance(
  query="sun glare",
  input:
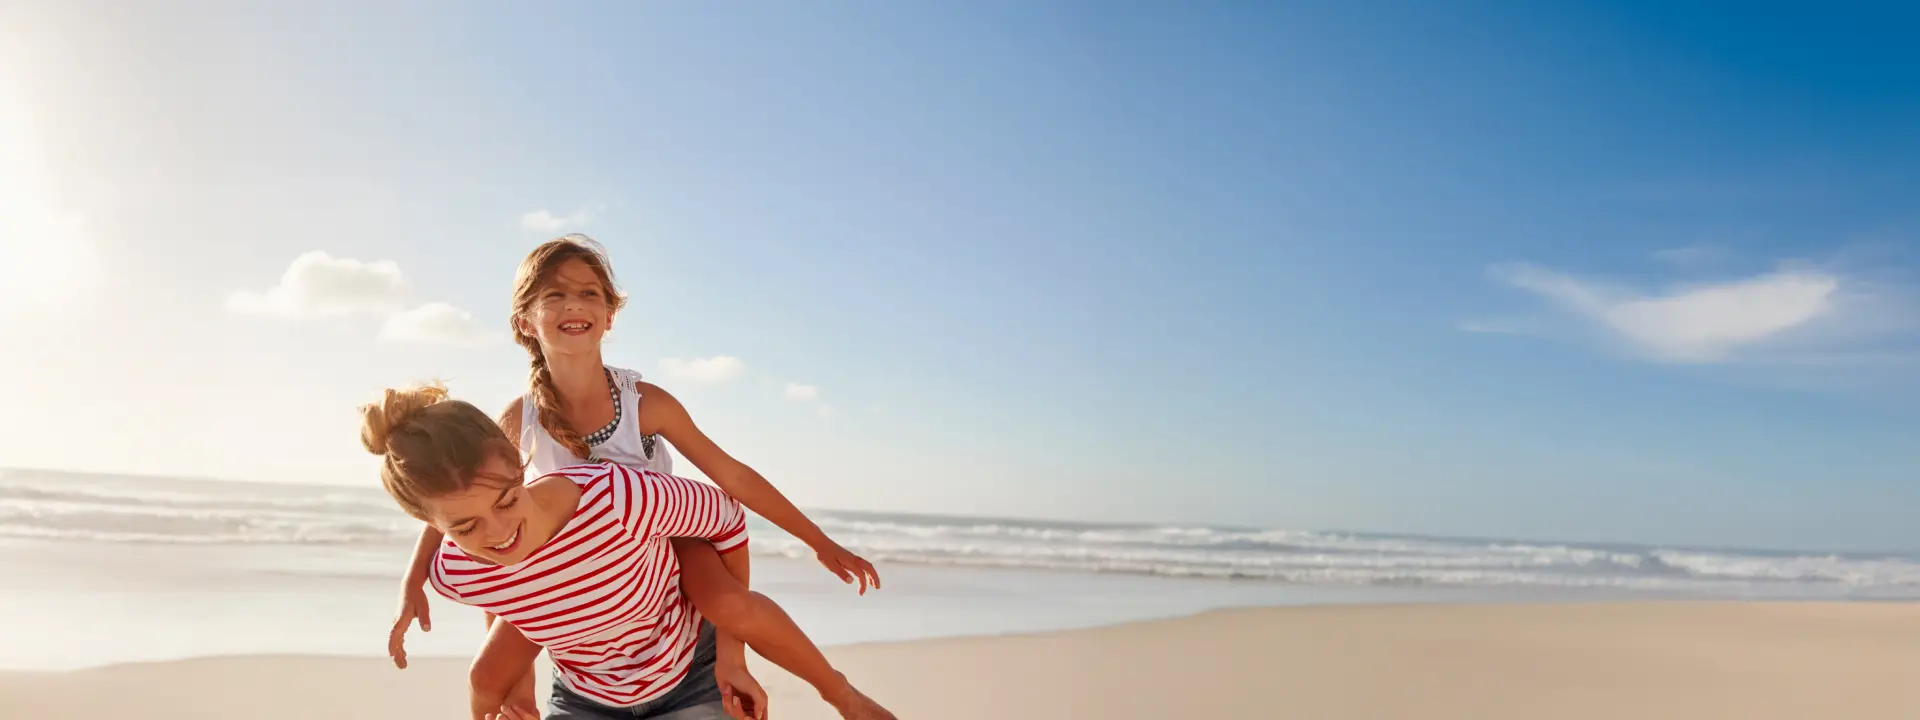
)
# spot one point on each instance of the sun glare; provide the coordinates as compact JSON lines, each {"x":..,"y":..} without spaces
{"x":43,"y":251}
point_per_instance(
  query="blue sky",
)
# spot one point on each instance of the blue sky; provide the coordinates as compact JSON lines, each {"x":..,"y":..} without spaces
{"x":1625,"y":272}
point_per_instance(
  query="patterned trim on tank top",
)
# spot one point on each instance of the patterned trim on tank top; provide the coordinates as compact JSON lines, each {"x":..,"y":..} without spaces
{"x":606,"y":433}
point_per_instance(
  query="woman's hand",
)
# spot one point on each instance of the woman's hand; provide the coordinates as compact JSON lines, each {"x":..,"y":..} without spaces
{"x":847,"y":566}
{"x":413,"y":604}
{"x":739,"y":692}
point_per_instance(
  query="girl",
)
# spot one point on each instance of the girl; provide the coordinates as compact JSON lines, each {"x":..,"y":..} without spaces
{"x":565,"y":300}
{"x":579,"y":562}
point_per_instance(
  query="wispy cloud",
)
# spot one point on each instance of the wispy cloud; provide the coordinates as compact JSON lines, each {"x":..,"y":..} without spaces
{"x":1790,"y":316}
{"x":802,"y":393}
{"x":545,"y":221}
{"x":810,"y":394}
{"x":709,"y":371}
{"x":1705,"y":323}
{"x":435,"y":323}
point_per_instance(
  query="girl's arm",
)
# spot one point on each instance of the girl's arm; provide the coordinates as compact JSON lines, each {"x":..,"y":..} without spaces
{"x":423,"y":551}
{"x":663,"y":412}
{"x":413,"y":596}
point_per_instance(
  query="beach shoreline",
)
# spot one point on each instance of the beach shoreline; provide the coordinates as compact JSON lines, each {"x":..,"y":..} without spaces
{"x":1642,"y":659}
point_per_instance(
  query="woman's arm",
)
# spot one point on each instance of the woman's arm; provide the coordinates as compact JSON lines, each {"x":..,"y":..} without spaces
{"x":662,"y":412}
{"x":504,"y":666}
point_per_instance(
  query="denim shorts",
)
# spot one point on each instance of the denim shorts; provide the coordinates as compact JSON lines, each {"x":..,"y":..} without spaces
{"x":697,"y":697}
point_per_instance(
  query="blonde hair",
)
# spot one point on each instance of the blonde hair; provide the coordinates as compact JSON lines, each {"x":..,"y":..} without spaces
{"x":536,"y":271}
{"x":431,"y":445}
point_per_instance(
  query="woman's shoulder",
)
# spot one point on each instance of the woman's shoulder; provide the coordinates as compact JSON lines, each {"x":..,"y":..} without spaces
{"x":586,"y":473}
{"x":567,"y":483}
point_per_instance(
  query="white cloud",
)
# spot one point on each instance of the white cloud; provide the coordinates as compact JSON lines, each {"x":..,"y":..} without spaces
{"x":714,"y":370}
{"x":317,"y":284}
{"x":1704,"y":323}
{"x":435,"y":323}
{"x":810,"y":394}
{"x":544,"y":221}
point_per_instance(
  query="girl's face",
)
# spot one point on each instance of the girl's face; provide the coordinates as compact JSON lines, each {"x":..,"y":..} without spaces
{"x":570,"y":313}
{"x":490,"y":519}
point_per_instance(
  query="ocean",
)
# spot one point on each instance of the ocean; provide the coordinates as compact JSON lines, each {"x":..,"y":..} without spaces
{"x":142,"y":568}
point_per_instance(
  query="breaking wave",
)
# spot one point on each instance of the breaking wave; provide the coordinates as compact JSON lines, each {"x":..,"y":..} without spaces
{"x":95,"y":508}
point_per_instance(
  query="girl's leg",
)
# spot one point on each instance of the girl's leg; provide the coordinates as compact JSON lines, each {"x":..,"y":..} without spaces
{"x":759,"y":622}
{"x":750,"y":616}
{"x":502,"y":673}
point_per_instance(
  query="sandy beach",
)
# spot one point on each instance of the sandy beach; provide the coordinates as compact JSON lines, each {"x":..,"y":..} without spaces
{"x":1487,"y":662}
{"x":1104,"y":360}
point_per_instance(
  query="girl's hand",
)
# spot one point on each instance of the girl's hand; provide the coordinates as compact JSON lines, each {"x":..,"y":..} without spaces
{"x":519,"y":704}
{"x":739,"y":692}
{"x":413,"y":604}
{"x":848,"y":566}
{"x":515,"y":712}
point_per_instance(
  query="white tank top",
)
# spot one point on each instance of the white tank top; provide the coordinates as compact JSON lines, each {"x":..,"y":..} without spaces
{"x":619,"y":442}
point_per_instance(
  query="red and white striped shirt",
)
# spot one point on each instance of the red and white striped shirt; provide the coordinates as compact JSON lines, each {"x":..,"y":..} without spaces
{"x":603,"y":596}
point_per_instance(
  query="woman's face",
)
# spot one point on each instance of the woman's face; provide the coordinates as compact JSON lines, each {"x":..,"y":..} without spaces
{"x":488,"y":520}
{"x":570,"y":313}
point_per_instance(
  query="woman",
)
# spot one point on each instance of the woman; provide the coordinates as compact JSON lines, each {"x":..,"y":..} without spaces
{"x":578,"y":562}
